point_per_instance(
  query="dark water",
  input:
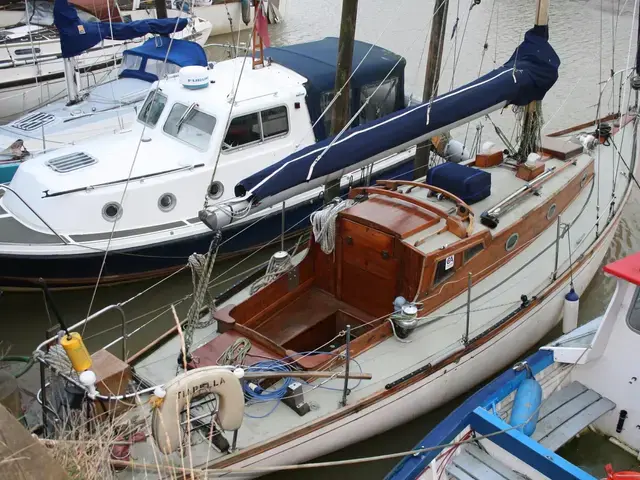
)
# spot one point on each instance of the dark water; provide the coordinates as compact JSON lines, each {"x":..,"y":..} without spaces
{"x":582,"y":34}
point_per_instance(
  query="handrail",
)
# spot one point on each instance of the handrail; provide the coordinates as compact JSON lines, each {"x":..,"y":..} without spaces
{"x":459,"y":229}
{"x":5,"y":187}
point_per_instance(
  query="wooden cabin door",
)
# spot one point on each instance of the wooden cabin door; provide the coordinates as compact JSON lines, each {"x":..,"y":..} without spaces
{"x":367,"y":268}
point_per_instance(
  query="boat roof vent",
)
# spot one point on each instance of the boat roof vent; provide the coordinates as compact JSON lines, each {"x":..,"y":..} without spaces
{"x":33,"y":121}
{"x":70,"y":162}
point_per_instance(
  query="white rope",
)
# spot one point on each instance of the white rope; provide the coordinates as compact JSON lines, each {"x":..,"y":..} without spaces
{"x":324,"y":223}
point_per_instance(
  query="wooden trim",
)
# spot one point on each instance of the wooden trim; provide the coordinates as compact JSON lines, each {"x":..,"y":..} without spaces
{"x":382,"y":394}
{"x":582,"y":126}
{"x":454,"y":224}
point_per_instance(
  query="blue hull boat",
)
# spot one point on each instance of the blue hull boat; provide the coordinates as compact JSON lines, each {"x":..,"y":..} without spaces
{"x":513,"y":427}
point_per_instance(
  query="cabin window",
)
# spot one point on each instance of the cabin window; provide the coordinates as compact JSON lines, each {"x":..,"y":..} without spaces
{"x":512,"y":241}
{"x":256,"y":127}
{"x":152,"y":108}
{"x":190,"y":125}
{"x":471,"y":252}
{"x":274,"y":122}
{"x":382,"y":102}
{"x":633,"y":320}
{"x":325,"y":100}
{"x":444,"y":269}
{"x":130,"y":62}
{"x":27,"y":51}
{"x":159,"y":68}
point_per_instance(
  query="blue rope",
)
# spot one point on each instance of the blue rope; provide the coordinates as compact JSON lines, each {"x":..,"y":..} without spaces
{"x":255,"y":394}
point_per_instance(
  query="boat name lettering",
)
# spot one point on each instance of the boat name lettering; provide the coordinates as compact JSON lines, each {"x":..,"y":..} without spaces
{"x":190,"y":392}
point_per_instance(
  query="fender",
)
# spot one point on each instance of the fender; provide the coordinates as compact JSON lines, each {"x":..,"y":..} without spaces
{"x":165,"y":422}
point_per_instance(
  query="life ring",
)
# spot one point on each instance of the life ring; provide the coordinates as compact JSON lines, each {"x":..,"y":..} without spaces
{"x":165,"y":422}
{"x":626,"y":475}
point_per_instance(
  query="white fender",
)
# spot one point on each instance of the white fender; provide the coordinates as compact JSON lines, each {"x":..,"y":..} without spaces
{"x":165,"y":423}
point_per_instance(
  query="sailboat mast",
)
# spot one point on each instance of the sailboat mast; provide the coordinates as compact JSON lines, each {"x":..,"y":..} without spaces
{"x":431,"y":78}
{"x":161,"y":9}
{"x":71,"y":81}
{"x":533,"y":112}
{"x":340,"y":112}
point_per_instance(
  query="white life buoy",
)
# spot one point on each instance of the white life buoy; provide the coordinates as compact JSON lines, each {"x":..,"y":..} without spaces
{"x":165,"y":423}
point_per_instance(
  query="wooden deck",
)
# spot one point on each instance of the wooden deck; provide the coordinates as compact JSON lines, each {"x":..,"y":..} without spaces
{"x":567,"y":412}
{"x":476,"y":464}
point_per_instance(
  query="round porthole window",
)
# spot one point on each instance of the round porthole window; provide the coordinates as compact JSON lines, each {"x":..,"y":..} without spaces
{"x":215,"y":191}
{"x":512,"y":241}
{"x":167,"y":202}
{"x":583,"y":180}
{"x":112,"y":211}
{"x":551,"y":212}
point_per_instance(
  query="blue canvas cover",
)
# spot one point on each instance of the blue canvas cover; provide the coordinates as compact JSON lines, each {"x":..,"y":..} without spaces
{"x":467,"y":183}
{"x":316,"y":61}
{"x":527,"y":76}
{"x":178,"y":52}
{"x":77,"y":36}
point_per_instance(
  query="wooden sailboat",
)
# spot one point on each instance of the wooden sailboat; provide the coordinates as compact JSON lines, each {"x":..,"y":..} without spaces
{"x":428,"y":287}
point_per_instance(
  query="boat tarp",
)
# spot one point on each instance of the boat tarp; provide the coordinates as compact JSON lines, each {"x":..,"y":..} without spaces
{"x":179,"y":52}
{"x":77,"y":36}
{"x":317,"y":60}
{"x":527,"y":76}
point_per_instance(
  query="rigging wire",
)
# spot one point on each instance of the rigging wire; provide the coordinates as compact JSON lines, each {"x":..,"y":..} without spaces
{"x":126,"y":185}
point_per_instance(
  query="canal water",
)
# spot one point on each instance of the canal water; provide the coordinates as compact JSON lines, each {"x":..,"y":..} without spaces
{"x":591,"y":38}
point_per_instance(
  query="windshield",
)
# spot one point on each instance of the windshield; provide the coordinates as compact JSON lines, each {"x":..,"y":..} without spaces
{"x":152,"y":108}
{"x":190,"y":125}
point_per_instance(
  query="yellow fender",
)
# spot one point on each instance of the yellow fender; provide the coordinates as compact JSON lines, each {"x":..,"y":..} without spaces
{"x":165,"y":422}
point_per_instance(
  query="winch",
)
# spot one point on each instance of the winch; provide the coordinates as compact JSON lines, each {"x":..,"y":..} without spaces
{"x":404,"y":318}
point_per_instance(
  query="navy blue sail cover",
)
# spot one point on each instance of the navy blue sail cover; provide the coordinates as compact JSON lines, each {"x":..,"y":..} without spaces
{"x":527,"y":76}
{"x":77,"y":36}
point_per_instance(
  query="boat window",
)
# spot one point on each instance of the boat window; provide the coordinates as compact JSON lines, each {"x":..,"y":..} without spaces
{"x":444,"y":269}
{"x":242,"y":131}
{"x":130,"y":62}
{"x":159,"y":68}
{"x":190,"y":125}
{"x":256,"y":127}
{"x":633,"y":320}
{"x":325,"y":100}
{"x":382,"y":102}
{"x":274,"y":122}
{"x":152,"y":108}
{"x":469,"y":253}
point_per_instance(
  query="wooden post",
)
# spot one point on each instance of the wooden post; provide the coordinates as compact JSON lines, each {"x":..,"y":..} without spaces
{"x":530,"y":125}
{"x":22,"y":457}
{"x":340,"y":111}
{"x":431,"y":78}
{"x":161,"y":9}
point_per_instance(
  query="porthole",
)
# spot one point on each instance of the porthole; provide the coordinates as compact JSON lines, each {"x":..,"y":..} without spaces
{"x":512,"y":241}
{"x":583,"y":180}
{"x":112,"y":211}
{"x":167,"y":202}
{"x":215,"y":191}
{"x":551,"y":212}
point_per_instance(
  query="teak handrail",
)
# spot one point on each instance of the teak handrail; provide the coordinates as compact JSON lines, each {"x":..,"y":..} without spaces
{"x":454,"y":224}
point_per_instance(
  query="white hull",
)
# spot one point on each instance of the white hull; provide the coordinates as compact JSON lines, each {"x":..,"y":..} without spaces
{"x":25,"y":86}
{"x":444,"y":385}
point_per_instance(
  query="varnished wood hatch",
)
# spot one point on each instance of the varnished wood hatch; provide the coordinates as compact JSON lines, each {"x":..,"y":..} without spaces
{"x":401,"y":239}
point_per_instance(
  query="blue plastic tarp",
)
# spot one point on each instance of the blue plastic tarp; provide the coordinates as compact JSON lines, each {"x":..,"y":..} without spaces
{"x":527,"y":76}
{"x":77,"y":36}
{"x":179,"y":52}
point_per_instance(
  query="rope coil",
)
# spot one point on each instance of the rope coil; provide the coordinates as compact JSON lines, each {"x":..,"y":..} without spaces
{"x":324,"y":224}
